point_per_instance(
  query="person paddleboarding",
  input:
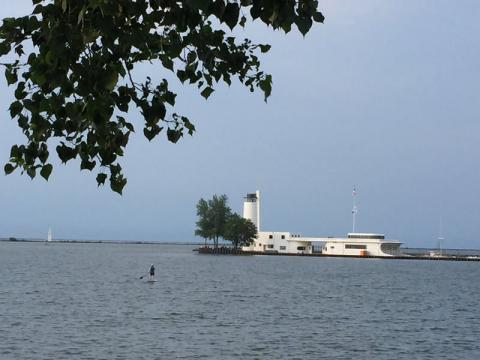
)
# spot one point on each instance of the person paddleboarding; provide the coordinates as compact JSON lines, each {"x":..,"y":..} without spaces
{"x":151,"y":273}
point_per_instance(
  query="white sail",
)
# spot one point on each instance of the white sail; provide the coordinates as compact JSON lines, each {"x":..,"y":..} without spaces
{"x":49,"y":237}
{"x":440,"y":238}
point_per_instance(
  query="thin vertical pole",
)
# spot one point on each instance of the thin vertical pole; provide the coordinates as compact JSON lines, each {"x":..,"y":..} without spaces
{"x":354,"y":208}
{"x":258,"y":210}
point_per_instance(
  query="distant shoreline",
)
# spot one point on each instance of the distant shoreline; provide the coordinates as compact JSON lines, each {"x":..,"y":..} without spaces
{"x":129,"y":242}
{"x":405,"y":256}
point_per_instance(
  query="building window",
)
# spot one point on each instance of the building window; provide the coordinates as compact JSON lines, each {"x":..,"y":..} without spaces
{"x":283,"y":248}
{"x":283,"y":236}
{"x":270,"y":236}
{"x":355,"y":246}
{"x":259,"y":244}
{"x":270,"y":246}
{"x":366,"y":236}
{"x":300,"y":247}
{"x":332,"y":247}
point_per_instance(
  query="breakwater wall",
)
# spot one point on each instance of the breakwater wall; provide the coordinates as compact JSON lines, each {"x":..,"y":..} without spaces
{"x":230,"y":251}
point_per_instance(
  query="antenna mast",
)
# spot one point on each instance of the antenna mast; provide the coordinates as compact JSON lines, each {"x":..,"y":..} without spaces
{"x":354,"y":208}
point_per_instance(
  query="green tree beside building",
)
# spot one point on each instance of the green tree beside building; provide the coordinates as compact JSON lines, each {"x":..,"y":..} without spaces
{"x":216,"y":220}
{"x":240,"y":231}
{"x":212,"y":218}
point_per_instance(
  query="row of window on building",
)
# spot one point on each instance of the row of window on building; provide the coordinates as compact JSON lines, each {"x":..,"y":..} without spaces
{"x":281,"y":247}
{"x":349,"y":246}
{"x":355,"y":246}
{"x":283,"y":236}
{"x":271,"y":236}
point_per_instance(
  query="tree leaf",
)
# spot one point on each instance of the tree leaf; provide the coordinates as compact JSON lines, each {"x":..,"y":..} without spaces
{"x":217,"y":8}
{"x":318,"y":17}
{"x":230,"y":16}
{"x":66,"y":153}
{"x":101,"y":179}
{"x":264,"y":48}
{"x":46,"y":171}
{"x":151,"y":132}
{"x":117,"y":183}
{"x":9,"y":168}
{"x":87,"y":165}
{"x":173,"y":135}
{"x":31,"y":172}
{"x":207,"y":92}
{"x":11,"y":76}
{"x":15,"y":108}
{"x":266,"y":86}
{"x":303,"y":24}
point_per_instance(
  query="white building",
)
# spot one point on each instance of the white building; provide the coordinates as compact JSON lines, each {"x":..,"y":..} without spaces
{"x":356,"y":244}
{"x":361,"y":244}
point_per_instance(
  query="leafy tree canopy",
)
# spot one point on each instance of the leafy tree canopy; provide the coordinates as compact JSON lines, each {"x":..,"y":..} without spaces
{"x":205,"y":221}
{"x":240,"y":231}
{"x":73,"y":62}
{"x":213,"y":215}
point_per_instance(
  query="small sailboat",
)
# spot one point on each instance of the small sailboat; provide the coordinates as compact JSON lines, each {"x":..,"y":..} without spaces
{"x":49,"y":236}
{"x":440,"y":239}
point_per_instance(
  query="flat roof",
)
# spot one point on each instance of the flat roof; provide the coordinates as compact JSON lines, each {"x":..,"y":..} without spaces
{"x":346,"y":240}
{"x":365,"y":234}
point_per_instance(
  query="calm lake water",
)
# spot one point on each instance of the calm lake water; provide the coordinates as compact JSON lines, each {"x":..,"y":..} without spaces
{"x":86,"y":301}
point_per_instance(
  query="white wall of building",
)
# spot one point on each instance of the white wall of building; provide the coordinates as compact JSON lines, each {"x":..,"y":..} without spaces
{"x":281,"y":242}
{"x":339,"y":246}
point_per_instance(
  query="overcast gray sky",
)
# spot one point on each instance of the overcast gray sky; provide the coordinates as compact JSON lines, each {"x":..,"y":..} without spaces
{"x":384,"y":95}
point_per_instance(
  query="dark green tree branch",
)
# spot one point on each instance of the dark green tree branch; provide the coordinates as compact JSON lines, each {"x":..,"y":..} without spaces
{"x":73,"y":89}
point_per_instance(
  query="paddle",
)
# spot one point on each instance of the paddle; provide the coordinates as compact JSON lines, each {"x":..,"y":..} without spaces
{"x":148,"y":273}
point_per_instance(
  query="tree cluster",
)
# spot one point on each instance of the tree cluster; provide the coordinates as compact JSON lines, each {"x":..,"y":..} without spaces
{"x":73,"y":62}
{"x":216,"y":220}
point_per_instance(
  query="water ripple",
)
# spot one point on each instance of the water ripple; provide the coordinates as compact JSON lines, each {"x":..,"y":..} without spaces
{"x":224,"y":307}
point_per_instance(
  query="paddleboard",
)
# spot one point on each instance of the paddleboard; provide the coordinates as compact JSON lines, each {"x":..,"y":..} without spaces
{"x":151,"y":281}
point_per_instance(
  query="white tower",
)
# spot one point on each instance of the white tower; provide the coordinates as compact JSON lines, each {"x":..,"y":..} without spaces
{"x":251,"y":208}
